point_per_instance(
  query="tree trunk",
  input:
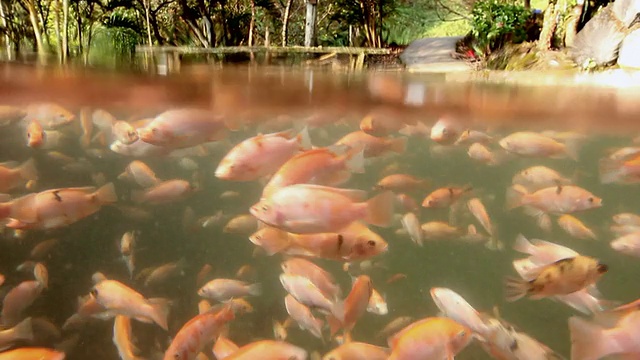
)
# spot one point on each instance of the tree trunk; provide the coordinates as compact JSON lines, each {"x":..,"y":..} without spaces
{"x":146,"y":11}
{"x":548,"y":27}
{"x":285,"y":22}
{"x":56,"y":25}
{"x":310,"y":23}
{"x":7,"y":40}
{"x":197,"y":33}
{"x":572,"y":24}
{"x":252,"y":24}
{"x":65,"y":30}
{"x":33,"y":17}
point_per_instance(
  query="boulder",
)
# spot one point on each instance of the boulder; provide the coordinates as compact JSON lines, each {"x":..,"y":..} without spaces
{"x":629,"y":56}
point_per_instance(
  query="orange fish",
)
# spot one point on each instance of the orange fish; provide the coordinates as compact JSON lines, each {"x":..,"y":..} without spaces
{"x":356,"y":351}
{"x":444,"y":197}
{"x":269,"y":349}
{"x":261,"y":155}
{"x":305,"y":208}
{"x":355,"y":242}
{"x":323,"y":166}
{"x":11,"y":178}
{"x":224,"y":347}
{"x":356,"y":303}
{"x":32,"y":353}
{"x":181,"y":128}
{"x":164,"y":192}
{"x":430,"y":338}
{"x":373,"y":146}
{"x":198,"y":332}
{"x":56,"y":208}
{"x":35,"y":134}
{"x":402,"y":183}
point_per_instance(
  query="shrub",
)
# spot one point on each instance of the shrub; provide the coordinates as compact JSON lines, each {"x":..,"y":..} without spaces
{"x":495,"y":23}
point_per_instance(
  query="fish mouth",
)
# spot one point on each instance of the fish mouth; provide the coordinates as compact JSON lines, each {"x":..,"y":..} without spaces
{"x":602,"y":268}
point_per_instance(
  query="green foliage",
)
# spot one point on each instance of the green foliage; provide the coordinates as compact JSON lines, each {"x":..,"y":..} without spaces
{"x":498,"y":22}
{"x":114,"y":46}
{"x":418,"y":19}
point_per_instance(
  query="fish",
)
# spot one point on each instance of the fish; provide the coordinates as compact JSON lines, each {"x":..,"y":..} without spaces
{"x":574,"y":227}
{"x":429,"y":338}
{"x":32,"y":353}
{"x":224,"y":347}
{"x":124,"y":132}
{"x":303,"y":316}
{"x":23,"y":331}
{"x":269,"y":349}
{"x":305,"y":208}
{"x":562,"y":277}
{"x":139,"y":173}
{"x":261,"y":155}
{"x":122,"y":338}
{"x":402,"y":183}
{"x":198,"y":332}
{"x":556,"y":200}
{"x":444,"y":197}
{"x":12,"y":178}
{"x":120,"y":299}
{"x":18,"y":299}
{"x":355,"y":242}
{"x":35,"y":135}
{"x":531,"y":144}
{"x":373,"y":146}
{"x":165,"y":192}
{"x":182,"y":128}
{"x":357,"y":351}
{"x":307,"y":293}
{"x":227,"y":289}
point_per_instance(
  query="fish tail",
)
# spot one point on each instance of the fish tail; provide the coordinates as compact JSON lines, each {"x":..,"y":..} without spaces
{"x":611,"y":171}
{"x":515,"y":196}
{"x":304,"y":139}
{"x":233,"y":123}
{"x":255,"y":289}
{"x":355,"y":161}
{"x":398,"y":145}
{"x":589,"y":341}
{"x":515,"y":289}
{"x":160,"y":313}
{"x":107,"y":194}
{"x":28,"y":170}
{"x":380,"y":209}
{"x":24,"y":330}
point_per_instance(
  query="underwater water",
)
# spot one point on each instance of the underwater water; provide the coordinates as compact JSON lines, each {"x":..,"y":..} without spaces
{"x":417,"y":123}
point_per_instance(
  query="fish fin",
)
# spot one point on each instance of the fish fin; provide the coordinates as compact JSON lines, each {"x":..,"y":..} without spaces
{"x":398,"y":145}
{"x":23,"y":209}
{"x":28,"y":170}
{"x":589,"y":341}
{"x":160,"y":314}
{"x":24,"y":330}
{"x":355,"y":162}
{"x":337,"y":310}
{"x":380,"y":209}
{"x":255,"y":289}
{"x":303,"y":139}
{"x":107,"y":194}
{"x":515,"y":196}
{"x":523,"y":245}
{"x":515,"y":289}
{"x":611,"y":171}
{"x":334,"y":325}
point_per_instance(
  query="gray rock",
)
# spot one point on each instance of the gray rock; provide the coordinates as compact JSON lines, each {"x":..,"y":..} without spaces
{"x":429,"y":50}
{"x":629,"y":56}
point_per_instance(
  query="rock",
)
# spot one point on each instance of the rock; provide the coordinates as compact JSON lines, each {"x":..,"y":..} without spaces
{"x":433,"y":54}
{"x":629,"y":56}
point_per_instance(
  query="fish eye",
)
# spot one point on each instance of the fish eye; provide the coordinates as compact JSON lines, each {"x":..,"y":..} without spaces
{"x":94,"y":292}
{"x":371,"y":243}
{"x":28,"y":135}
{"x":176,"y":356}
{"x":265,"y":207}
{"x":602,"y":268}
{"x":444,"y":131}
{"x":591,"y":199}
{"x":155,"y":131}
{"x":258,"y":237}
